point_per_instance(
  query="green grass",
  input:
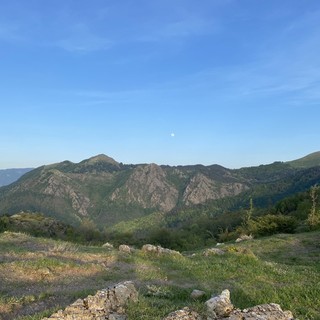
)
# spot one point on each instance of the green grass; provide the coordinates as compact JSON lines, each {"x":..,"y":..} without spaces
{"x":282,"y":269}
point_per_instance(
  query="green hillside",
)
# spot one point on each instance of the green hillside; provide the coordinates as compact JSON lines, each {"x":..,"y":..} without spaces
{"x":311,"y":160}
{"x":109,"y":193}
{"x":40,"y":276}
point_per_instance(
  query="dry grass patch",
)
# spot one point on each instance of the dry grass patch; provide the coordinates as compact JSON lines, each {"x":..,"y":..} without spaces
{"x":37,"y":274}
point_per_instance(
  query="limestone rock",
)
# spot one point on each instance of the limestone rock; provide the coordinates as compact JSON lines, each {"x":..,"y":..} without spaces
{"x":201,"y":189}
{"x":197,"y":294}
{"x":149,"y":248}
{"x":244,"y":237}
{"x":184,"y":314}
{"x":107,"y":245}
{"x":125,"y":248}
{"x":271,"y":311}
{"x":149,"y":187}
{"x":109,"y":303}
{"x":219,"y":306}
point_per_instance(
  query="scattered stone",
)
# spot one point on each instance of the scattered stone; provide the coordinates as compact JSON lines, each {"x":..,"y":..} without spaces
{"x":271,"y":311}
{"x":109,"y":304}
{"x":107,"y":245}
{"x":219,"y":306}
{"x":149,"y":248}
{"x":125,"y":248}
{"x":244,"y":237}
{"x":197,"y":294}
{"x":184,"y":314}
{"x":213,"y":251}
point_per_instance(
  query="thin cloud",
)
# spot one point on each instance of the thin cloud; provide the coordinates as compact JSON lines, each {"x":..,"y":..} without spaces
{"x":82,"y":44}
{"x":182,"y":28}
{"x":81,"y":39}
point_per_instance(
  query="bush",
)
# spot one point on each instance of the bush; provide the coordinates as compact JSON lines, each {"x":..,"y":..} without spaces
{"x":4,"y":223}
{"x":271,"y":224}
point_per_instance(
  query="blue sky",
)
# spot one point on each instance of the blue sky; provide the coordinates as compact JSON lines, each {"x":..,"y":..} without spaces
{"x":233,"y":82}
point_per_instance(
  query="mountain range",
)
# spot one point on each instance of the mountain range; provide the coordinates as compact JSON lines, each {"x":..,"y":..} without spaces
{"x":108,"y":192}
{"x":8,"y":176}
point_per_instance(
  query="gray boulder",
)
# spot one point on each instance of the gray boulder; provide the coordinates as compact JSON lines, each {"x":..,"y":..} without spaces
{"x":125,"y":248}
{"x":149,"y":248}
{"x":197,"y":294}
{"x":219,"y":306}
{"x":109,"y":303}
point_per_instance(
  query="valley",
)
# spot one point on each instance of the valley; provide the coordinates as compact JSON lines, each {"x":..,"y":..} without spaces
{"x":56,"y":219}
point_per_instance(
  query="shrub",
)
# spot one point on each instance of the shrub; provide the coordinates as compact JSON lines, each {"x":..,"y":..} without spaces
{"x":271,"y":224}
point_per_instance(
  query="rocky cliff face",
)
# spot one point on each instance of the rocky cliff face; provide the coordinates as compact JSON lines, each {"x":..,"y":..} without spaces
{"x":108,"y":192}
{"x":148,"y":186}
{"x":201,"y":189}
{"x":58,"y":185}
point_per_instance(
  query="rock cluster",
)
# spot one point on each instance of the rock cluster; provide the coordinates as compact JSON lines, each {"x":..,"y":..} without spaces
{"x":125,"y":248}
{"x":111,"y":303}
{"x":108,"y":304}
{"x":244,"y":237}
{"x":149,"y":248}
{"x":108,"y":245}
{"x":221,"y":308}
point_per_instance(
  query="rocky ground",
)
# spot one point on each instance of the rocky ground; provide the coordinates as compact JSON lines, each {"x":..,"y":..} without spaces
{"x":40,"y":276}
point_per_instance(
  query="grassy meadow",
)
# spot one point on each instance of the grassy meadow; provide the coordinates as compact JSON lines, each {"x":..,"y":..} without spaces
{"x":39,"y":276}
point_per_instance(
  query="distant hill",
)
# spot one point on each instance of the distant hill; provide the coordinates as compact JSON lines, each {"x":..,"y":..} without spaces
{"x":311,"y":160}
{"x":8,"y":176}
{"x":108,"y":192}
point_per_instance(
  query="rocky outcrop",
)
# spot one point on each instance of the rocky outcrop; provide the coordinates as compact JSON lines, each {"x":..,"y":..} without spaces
{"x":108,"y":245}
{"x":201,"y":189}
{"x":60,"y":186}
{"x":244,"y":237}
{"x":109,"y":304}
{"x":126,"y":249}
{"x":271,"y":311}
{"x":148,"y":187}
{"x":184,"y":314}
{"x":149,"y":248}
{"x":221,"y":308}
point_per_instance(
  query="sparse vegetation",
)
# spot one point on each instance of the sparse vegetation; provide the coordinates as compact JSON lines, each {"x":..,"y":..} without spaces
{"x":41,"y":275}
{"x":46,"y":264}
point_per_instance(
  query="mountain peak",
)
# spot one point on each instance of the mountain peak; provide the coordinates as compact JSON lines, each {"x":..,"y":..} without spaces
{"x":102,"y":158}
